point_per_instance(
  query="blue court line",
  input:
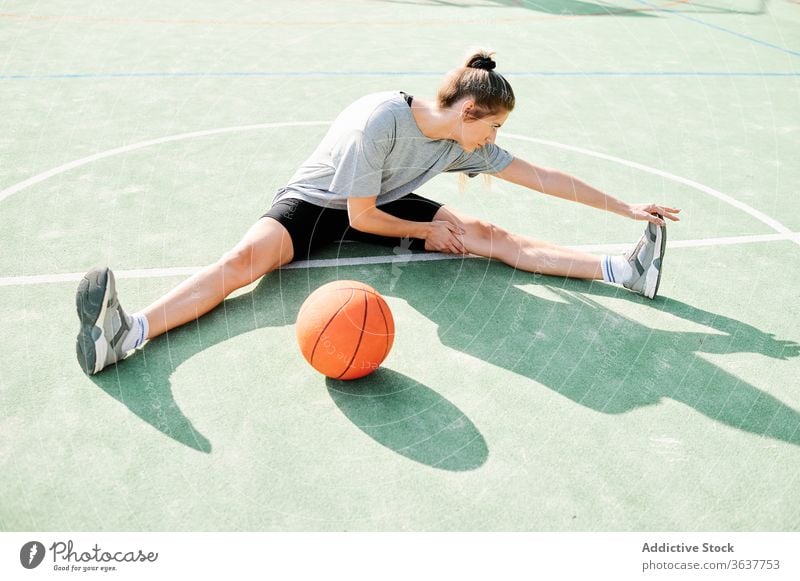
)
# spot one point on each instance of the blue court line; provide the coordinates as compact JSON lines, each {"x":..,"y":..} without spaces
{"x":277,"y":74}
{"x":721,"y":28}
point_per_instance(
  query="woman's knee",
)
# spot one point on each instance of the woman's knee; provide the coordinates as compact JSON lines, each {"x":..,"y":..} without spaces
{"x":253,"y":257}
{"x":236,"y":266}
{"x":495,"y":241}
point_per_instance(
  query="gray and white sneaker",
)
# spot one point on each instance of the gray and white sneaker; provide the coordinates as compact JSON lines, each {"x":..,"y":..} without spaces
{"x":104,"y":324}
{"x":645,"y":260}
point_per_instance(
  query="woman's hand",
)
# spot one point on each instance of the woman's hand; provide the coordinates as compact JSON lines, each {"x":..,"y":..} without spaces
{"x":444,"y":236}
{"x":648,"y":212}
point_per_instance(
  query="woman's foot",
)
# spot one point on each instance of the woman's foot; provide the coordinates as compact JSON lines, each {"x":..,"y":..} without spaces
{"x":645,"y":260}
{"x":104,"y":324}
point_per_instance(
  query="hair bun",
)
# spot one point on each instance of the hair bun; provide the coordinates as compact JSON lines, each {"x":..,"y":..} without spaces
{"x":481,"y":61}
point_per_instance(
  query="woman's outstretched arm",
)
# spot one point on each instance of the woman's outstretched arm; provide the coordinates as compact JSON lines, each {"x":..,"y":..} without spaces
{"x":561,"y":185}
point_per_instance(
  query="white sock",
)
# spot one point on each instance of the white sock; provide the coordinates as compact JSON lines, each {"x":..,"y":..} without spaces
{"x":615,"y":268}
{"x":138,"y":333}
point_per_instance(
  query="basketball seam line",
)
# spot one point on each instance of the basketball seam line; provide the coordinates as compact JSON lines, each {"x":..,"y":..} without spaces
{"x":319,"y":337}
{"x":385,"y":326}
{"x":360,"y":337}
{"x":353,"y":288}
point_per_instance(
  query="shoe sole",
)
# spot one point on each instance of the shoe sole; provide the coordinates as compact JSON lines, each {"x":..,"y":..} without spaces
{"x":91,"y":301}
{"x":650,"y":287}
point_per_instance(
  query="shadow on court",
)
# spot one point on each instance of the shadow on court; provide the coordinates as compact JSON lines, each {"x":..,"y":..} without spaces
{"x":583,"y":8}
{"x":597,"y":358}
{"x":393,"y":409}
{"x":571,"y":343}
{"x":142,"y":384}
{"x":557,"y":7}
{"x":411,"y":419}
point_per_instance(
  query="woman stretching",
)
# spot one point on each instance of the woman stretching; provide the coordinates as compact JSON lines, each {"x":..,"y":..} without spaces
{"x":358,"y":185}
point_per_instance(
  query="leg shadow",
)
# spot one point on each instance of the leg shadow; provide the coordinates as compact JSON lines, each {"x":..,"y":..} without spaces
{"x":145,"y":390}
{"x":142,"y":382}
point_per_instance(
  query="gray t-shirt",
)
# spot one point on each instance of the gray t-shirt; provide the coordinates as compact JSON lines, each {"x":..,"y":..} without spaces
{"x":375,"y":148}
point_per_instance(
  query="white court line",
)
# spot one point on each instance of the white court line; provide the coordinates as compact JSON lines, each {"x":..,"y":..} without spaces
{"x":339,"y":262}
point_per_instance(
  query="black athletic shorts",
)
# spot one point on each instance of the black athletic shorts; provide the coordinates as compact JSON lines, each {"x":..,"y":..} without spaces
{"x":311,"y":226}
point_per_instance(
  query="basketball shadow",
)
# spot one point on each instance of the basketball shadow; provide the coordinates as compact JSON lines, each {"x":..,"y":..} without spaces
{"x":410,"y":419}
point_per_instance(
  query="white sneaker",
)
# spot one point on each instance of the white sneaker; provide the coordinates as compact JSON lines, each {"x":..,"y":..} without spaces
{"x":645,"y":260}
{"x":104,"y":323}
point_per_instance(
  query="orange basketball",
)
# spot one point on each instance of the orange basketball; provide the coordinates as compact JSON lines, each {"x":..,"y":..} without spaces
{"x":345,"y":329}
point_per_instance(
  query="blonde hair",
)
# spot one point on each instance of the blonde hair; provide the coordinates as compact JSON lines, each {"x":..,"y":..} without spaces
{"x":491,"y":91}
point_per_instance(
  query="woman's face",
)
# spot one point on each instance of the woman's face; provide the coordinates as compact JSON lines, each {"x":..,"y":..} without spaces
{"x":475,"y":133}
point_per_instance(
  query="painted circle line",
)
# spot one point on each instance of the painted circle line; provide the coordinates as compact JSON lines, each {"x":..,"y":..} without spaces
{"x":760,"y":216}
{"x":142,"y":144}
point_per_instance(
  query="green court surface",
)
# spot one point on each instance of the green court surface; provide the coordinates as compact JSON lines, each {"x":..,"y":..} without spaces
{"x":149,"y":136}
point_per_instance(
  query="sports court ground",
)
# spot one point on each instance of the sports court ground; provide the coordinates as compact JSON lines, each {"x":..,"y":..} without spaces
{"x":149,"y":136}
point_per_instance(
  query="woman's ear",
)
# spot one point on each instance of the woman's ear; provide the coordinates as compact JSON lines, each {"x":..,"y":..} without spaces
{"x":467,"y":109}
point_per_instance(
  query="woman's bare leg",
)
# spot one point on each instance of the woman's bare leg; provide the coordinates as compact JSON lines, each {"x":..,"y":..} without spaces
{"x":523,"y":252}
{"x":107,"y":334}
{"x":265,"y":247}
